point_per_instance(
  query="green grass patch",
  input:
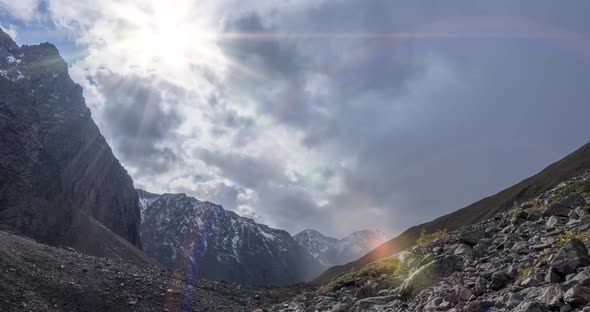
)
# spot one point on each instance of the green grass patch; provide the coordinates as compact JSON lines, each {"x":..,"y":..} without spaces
{"x":568,"y":235}
{"x":581,"y":188}
{"x":427,"y":238}
{"x":390,"y":267}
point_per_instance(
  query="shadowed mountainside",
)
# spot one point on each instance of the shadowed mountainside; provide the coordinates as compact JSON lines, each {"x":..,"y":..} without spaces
{"x":59,"y":180}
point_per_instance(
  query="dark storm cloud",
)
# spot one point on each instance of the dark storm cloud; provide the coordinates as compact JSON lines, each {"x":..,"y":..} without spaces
{"x":137,"y":120}
{"x":432,"y":123}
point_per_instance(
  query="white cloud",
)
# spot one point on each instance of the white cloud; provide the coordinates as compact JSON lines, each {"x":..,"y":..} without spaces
{"x":26,"y":10}
{"x":10,"y":30}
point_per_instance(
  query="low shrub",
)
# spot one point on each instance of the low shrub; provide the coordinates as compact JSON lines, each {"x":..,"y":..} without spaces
{"x":427,"y":238}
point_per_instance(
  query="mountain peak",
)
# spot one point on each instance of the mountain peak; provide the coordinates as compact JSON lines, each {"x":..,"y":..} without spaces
{"x":7,"y":42}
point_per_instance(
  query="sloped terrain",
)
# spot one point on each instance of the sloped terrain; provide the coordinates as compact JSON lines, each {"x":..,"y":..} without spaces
{"x":57,"y":172}
{"x":36,"y":277}
{"x":533,"y":258}
{"x":181,"y":231}
{"x":572,"y":165}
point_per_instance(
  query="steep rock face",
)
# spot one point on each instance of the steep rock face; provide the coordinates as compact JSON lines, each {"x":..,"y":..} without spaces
{"x":184,"y":233}
{"x":315,"y":242}
{"x":59,"y":180}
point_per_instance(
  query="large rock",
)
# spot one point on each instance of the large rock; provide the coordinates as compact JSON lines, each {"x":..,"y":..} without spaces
{"x":570,"y":257}
{"x":499,"y":280}
{"x":430,"y":274}
{"x":374,"y":304}
{"x":550,"y":296}
{"x":59,"y":180}
{"x":565,"y":206}
{"x":578,"y":295}
{"x":530,"y":306}
{"x":471,"y":236}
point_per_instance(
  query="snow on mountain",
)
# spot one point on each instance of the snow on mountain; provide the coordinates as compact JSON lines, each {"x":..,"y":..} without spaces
{"x":187,"y":234}
{"x":330,"y":251}
{"x":353,"y":246}
{"x":315,"y":243}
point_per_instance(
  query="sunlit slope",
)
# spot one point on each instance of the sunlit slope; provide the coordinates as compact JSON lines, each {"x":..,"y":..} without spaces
{"x":570,"y":166}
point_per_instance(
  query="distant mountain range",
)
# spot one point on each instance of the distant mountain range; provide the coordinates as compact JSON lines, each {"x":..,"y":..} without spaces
{"x":331,"y":251}
{"x":188,"y":234}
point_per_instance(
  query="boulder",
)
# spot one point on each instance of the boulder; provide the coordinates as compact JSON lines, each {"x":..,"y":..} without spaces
{"x":564,"y":206}
{"x":499,"y":280}
{"x":578,"y":295}
{"x":471,"y":236}
{"x":479,"y":306}
{"x":530,"y":306}
{"x":550,"y":296}
{"x":570,"y":257}
{"x":429,"y":274}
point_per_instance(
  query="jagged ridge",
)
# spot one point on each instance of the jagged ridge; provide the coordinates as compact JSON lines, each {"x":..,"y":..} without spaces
{"x":203,"y":238}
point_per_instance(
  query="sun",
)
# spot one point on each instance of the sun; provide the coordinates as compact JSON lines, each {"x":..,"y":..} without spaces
{"x":167,"y":37}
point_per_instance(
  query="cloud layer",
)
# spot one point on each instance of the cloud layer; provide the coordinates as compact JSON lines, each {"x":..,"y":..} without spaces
{"x":334,"y":115}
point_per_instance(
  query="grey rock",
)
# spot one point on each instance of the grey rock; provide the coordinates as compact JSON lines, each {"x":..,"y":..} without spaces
{"x":430,"y":274}
{"x":552,"y":222}
{"x":463,"y":250}
{"x":365,"y":304}
{"x":550,"y":296}
{"x":530,"y":306}
{"x":570,"y":257}
{"x":471,"y":236}
{"x":553,"y":276}
{"x":565,"y":206}
{"x":499,"y":280}
{"x":479,"y":306}
{"x":572,"y":201}
{"x":366,"y":292}
{"x":577,"y":295}
{"x":464,"y":293}
{"x":480,"y":285}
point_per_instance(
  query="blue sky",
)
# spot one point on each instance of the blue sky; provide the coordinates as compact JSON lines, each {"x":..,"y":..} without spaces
{"x":333,"y":115}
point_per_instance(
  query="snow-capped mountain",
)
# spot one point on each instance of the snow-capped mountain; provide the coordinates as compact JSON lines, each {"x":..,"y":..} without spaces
{"x":184,"y":233}
{"x":315,"y":243}
{"x":353,"y":246}
{"x":331,"y":251}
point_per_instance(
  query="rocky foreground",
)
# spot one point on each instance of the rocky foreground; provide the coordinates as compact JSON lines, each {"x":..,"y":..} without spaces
{"x":533,"y":258}
{"x":36,"y":277}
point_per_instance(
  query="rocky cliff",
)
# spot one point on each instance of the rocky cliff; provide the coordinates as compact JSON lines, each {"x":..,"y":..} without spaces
{"x":59,"y":181}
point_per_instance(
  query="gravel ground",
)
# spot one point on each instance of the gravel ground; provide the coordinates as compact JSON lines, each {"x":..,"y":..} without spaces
{"x":36,"y":277}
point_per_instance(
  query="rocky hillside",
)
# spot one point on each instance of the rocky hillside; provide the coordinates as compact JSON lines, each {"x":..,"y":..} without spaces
{"x":59,"y":180}
{"x":531,"y":258}
{"x":40,"y":278}
{"x":183,"y":232}
{"x":330,"y":251}
{"x":572,"y":165}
